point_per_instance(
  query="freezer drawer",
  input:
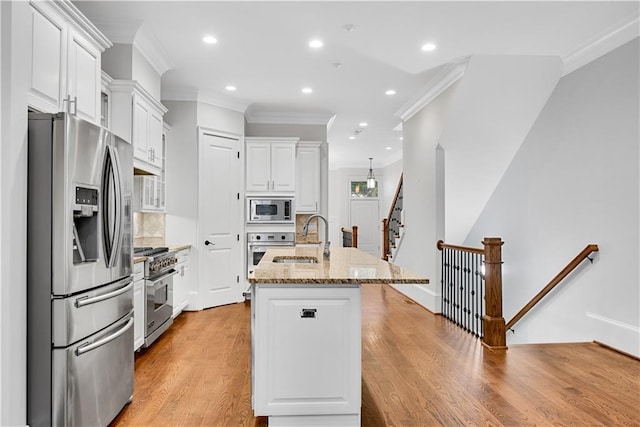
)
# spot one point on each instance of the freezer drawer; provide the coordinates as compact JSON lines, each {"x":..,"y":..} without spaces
{"x":81,"y":315}
{"x":93,"y":379}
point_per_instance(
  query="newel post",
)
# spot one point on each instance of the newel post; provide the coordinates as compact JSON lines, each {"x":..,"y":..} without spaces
{"x":385,"y":239}
{"x":493,"y":323}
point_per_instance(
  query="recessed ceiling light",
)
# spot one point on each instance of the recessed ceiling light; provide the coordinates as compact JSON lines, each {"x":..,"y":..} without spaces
{"x":387,"y":148}
{"x":230,"y":88}
{"x":428,"y":47}
{"x":363,"y":124}
{"x":315,"y":43}
{"x":402,"y":138}
{"x":390,"y":92}
{"x":352,"y":137}
{"x":210,"y":40}
{"x":307,"y":90}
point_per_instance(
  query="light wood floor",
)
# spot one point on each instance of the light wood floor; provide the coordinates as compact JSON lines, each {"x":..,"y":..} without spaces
{"x":417,"y":370}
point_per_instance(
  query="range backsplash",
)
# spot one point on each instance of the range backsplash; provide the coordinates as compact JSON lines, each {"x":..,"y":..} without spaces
{"x":148,"y":229}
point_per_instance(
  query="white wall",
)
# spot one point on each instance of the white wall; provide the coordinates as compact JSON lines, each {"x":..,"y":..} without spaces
{"x":304,"y":132}
{"x":144,"y":73}
{"x":125,"y":62}
{"x":423,"y":198}
{"x":14,"y":41}
{"x":575,"y":181}
{"x":496,"y":103}
{"x":117,"y":61}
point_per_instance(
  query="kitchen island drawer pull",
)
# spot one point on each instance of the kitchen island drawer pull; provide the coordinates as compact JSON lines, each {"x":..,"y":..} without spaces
{"x":308,"y":313}
{"x":88,"y":347}
{"x":81,"y":302}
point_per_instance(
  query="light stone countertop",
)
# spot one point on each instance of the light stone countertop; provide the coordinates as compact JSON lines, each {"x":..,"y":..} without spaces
{"x":345,"y":266}
{"x":137,"y":259}
{"x":179,"y":247}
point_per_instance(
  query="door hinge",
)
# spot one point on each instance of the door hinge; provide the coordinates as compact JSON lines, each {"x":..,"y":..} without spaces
{"x":238,"y":154}
{"x":237,"y":279}
{"x":238,"y":196}
{"x":238,"y":237}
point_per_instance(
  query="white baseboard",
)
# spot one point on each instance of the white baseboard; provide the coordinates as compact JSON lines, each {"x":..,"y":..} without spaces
{"x":423,"y":295}
{"x":613,"y":333}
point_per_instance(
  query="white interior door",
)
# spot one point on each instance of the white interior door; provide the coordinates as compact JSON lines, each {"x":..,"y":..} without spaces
{"x":364,"y":214}
{"x":220,"y":215}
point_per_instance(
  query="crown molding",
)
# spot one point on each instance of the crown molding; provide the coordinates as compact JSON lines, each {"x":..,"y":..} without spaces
{"x":129,"y":86}
{"x":289,"y":118}
{"x":151,"y":49}
{"x":613,"y":38}
{"x":106,"y":79}
{"x":445,"y":77}
{"x":194,"y":95}
{"x":71,"y":12}
{"x":330,"y":122}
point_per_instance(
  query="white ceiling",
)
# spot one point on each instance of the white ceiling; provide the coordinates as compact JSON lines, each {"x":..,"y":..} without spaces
{"x":263,"y":50}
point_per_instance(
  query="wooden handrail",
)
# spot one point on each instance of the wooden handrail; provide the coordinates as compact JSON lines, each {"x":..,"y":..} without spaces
{"x":553,"y":283}
{"x":441,"y":245}
{"x":395,"y":197}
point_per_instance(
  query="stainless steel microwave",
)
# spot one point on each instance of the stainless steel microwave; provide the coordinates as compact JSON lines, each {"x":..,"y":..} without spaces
{"x":270,"y":210}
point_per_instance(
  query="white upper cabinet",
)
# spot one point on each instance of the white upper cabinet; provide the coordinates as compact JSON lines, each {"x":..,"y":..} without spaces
{"x":137,"y":117}
{"x":271,"y":165}
{"x":65,"y":61}
{"x":308,"y":177}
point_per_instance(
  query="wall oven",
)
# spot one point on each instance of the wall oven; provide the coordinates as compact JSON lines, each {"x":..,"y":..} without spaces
{"x":258,"y":243}
{"x":270,"y":209}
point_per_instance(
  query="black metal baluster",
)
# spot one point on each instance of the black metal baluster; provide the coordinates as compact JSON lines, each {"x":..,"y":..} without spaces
{"x":467,"y":325}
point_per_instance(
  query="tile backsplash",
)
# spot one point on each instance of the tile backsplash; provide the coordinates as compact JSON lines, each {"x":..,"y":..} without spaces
{"x":312,"y":236}
{"x":148,"y":228}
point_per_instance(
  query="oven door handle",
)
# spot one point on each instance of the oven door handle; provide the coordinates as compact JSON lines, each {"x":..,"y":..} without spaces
{"x":152,"y":283}
{"x":81,"y":302}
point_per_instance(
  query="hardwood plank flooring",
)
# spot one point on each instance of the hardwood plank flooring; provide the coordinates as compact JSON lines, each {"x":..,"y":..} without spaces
{"x":418,"y":369}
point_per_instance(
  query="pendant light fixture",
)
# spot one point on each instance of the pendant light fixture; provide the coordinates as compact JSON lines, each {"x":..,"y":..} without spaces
{"x":371,"y":179}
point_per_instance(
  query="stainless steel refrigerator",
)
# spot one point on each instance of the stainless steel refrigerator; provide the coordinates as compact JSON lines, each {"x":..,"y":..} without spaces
{"x":79,"y":277}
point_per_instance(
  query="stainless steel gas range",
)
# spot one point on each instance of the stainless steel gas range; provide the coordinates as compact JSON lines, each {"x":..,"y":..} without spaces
{"x":158,"y":273}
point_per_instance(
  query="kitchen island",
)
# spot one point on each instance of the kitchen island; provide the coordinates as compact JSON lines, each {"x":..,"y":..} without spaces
{"x":306,"y":333}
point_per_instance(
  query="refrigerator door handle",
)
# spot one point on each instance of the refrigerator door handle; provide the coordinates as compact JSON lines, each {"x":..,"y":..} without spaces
{"x":81,"y":302}
{"x":119,"y":203}
{"x":111,"y":232}
{"x":88,"y":347}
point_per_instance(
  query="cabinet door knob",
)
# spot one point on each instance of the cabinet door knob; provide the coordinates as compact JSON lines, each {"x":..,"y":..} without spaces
{"x":206,"y":242}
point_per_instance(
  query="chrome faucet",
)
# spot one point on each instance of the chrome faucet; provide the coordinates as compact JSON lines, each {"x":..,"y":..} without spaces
{"x":305,"y":231}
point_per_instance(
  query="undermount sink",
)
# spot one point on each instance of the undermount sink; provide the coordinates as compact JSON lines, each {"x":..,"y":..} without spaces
{"x":295,"y":260}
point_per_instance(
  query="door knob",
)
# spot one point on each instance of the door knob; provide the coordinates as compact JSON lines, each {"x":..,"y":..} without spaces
{"x":206,"y":242}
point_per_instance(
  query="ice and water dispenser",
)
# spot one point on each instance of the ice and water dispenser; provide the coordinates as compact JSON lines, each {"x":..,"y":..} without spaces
{"x":85,"y":225}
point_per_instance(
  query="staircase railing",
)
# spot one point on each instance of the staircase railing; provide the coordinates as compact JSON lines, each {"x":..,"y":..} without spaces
{"x":584,"y":254}
{"x":472,"y":289}
{"x":392,"y":223}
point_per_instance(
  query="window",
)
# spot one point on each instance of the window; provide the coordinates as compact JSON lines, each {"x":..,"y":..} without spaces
{"x":359,"y":190}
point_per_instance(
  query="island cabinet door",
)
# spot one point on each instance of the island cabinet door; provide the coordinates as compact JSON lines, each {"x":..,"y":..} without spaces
{"x":307,"y":351}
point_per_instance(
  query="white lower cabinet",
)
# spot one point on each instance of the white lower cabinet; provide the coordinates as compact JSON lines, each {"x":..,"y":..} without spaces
{"x":180,"y":291}
{"x":138,"y":305}
{"x":306,"y":347}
